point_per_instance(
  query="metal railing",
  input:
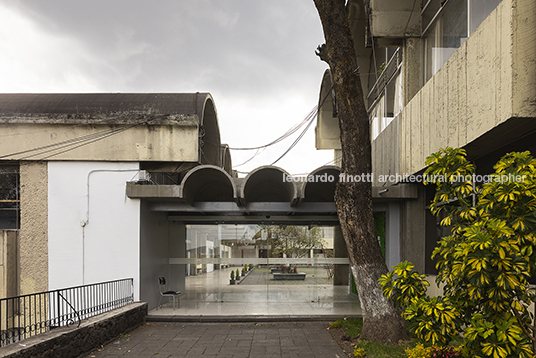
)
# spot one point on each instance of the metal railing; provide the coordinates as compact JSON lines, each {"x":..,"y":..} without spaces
{"x":25,"y":316}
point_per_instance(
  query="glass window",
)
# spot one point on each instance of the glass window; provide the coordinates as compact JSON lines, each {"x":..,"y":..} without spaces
{"x":452,"y":25}
{"x":445,"y":36}
{"x":9,"y":197}
{"x":479,"y":10}
{"x":387,"y":107}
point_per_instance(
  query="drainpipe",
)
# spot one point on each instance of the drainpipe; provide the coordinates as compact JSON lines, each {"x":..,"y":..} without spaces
{"x":84,"y":223}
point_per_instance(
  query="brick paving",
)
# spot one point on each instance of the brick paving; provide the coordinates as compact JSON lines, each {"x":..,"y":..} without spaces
{"x":224,"y":340}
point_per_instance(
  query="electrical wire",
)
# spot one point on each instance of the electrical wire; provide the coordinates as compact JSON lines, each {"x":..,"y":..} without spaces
{"x":294,"y":143}
{"x":309,"y":118}
{"x":74,"y":143}
{"x":409,"y":18}
{"x":287,"y":134}
{"x":259,"y":151}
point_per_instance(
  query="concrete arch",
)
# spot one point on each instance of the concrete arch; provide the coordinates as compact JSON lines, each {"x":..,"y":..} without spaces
{"x":268,"y":184}
{"x":227,"y":163}
{"x":207,"y":183}
{"x":321,"y":187}
{"x":327,"y":128}
{"x":210,"y":150}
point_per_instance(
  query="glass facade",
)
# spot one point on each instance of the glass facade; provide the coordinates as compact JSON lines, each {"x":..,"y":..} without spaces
{"x":447,"y":27}
{"x":273,"y":263}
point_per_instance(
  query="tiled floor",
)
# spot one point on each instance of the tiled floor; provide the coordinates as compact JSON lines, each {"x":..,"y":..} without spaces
{"x":224,"y":340}
{"x":211,"y":295}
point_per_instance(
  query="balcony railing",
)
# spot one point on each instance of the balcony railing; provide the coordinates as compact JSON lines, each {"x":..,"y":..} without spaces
{"x":25,"y":316}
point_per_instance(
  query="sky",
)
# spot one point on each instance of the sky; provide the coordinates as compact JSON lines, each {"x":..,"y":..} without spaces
{"x":256,"y":58}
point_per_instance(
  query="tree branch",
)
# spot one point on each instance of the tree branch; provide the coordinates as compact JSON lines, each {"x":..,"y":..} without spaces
{"x":322,"y":52}
{"x":523,"y":326}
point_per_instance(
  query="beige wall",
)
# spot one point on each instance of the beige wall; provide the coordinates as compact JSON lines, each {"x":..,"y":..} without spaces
{"x":490,"y":79}
{"x":142,"y":143}
{"x":33,"y":233}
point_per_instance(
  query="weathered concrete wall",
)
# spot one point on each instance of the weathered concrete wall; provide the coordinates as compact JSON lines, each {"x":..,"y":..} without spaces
{"x":490,"y":79}
{"x":34,"y":226}
{"x":141,"y":143}
{"x":68,"y":342}
{"x":154,"y":253}
{"x":9,"y":275}
{"x":394,"y":18}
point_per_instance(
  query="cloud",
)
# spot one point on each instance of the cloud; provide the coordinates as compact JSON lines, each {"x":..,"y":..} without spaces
{"x":255,"y":57}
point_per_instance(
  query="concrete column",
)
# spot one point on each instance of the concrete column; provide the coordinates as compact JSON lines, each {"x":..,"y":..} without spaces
{"x":177,"y":248}
{"x":33,"y":236}
{"x":413,"y":223}
{"x":392,"y":231}
{"x":411,"y":68}
{"x":340,"y":274}
{"x":9,"y":277}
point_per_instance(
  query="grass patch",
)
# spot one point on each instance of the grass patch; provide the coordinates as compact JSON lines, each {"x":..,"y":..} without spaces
{"x":353,"y":327}
{"x":378,"y":350}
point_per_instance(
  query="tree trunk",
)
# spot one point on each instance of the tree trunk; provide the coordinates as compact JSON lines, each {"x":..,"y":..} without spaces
{"x":381,"y":322}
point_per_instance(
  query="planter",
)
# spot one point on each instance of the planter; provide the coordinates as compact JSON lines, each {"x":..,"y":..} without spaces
{"x":290,"y":276}
{"x":232,"y":282}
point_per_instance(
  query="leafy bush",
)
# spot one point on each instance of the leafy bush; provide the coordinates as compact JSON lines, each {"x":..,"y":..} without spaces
{"x":485,"y":262}
{"x":232,"y":275}
{"x":420,"y":351}
{"x":359,"y":352}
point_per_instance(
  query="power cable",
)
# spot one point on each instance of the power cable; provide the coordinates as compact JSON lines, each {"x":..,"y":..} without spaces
{"x":409,"y":18}
{"x":309,"y":118}
{"x":288,"y":133}
{"x":294,"y":143}
{"x":84,"y":140}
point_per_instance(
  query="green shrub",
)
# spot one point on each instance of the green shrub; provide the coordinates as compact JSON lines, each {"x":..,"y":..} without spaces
{"x":420,"y":351}
{"x":232,"y":275}
{"x":359,"y":352}
{"x":485,"y":262}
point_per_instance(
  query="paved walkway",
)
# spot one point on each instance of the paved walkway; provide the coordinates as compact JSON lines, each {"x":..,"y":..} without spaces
{"x":224,"y":340}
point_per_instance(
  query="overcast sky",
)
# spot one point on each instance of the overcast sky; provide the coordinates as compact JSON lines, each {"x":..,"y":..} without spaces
{"x":256,"y":58}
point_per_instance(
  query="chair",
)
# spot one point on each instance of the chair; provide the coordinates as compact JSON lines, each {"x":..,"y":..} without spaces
{"x":165,"y":293}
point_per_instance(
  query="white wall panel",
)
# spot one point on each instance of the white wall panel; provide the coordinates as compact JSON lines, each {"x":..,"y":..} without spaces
{"x":93,"y":227}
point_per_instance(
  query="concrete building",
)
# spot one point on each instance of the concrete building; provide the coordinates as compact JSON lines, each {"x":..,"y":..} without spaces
{"x":65,"y":161}
{"x":98,"y":187}
{"x":457,"y":73}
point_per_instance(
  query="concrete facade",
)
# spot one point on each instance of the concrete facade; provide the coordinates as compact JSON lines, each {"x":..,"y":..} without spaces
{"x":482,"y":99}
{"x":34,"y":226}
{"x":489,"y":80}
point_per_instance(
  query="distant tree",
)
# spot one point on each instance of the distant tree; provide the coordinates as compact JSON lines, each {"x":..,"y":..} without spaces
{"x":381,"y":322}
{"x":292,"y":241}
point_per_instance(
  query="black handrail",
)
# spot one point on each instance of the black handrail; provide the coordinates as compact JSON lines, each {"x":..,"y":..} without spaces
{"x":27,"y":315}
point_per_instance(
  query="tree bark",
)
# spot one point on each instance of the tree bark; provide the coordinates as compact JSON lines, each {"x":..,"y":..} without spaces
{"x":381,"y":322}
